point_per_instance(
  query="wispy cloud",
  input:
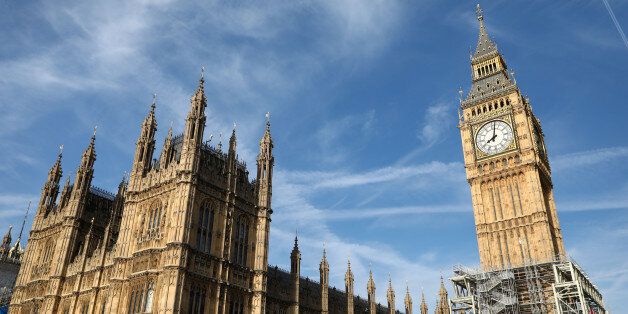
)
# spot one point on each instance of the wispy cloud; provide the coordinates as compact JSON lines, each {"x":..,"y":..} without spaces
{"x":332,"y":136}
{"x":614,"y":19}
{"x":436,"y":122}
{"x":588,"y":158}
{"x":340,"y":179}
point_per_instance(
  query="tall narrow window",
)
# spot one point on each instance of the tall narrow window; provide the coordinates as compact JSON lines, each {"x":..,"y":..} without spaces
{"x":241,"y":238}
{"x":196,"y":302}
{"x":148,"y":301}
{"x":204,"y":230}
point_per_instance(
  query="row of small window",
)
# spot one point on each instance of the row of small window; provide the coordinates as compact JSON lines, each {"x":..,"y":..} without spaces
{"x":240,"y":235}
{"x":487,"y":69}
{"x":495,"y":105}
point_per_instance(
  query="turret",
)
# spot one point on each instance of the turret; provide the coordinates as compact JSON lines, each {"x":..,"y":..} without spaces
{"x":370,"y":288}
{"x":265,"y":162}
{"x":324,"y":272}
{"x":167,"y":153}
{"x":5,"y":246}
{"x":194,"y":127}
{"x":85,"y":172}
{"x":442,"y":307}
{"x":51,"y":187}
{"x":295,"y":275}
{"x":65,"y":193}
{"x":408,"y":300}
{"x":145,"y":147}
{"x":424,"y":309}
{"x":263,"y":189}
{"x":349,"y":287}
{"x":390,"y":297}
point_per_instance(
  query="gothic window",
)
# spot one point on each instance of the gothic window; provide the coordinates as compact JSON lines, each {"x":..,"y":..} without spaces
{"x":196,"y":303}
{"x":85,"y":307}
{"x":141,"y":300}
{"x":236,"y":306}
{"x":204,"y":230}
{"x":240,"y":243}
{"x":148,"y":303}
{"x":154,"y":219}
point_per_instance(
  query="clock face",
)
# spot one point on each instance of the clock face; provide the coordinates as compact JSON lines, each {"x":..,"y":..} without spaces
{"x":494,"y":137}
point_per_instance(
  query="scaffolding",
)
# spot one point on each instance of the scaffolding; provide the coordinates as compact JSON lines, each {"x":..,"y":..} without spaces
{"x":558,"y":286}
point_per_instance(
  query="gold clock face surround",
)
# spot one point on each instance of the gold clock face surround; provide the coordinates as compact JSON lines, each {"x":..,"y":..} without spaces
{"x":494,"y":137}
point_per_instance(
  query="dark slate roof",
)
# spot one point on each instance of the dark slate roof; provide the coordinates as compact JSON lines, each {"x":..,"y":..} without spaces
{"x":485,"y":45}
{"x":488,"y":87}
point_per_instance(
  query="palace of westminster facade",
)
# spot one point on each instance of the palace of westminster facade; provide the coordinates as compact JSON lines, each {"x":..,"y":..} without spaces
{"x":188,"y":232}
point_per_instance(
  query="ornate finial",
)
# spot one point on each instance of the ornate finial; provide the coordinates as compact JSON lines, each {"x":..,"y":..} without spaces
{"x":154,"y":103}
{"x":460,"y":93}
{"x":95,"y":129}
{"x":267,"y":118}
{"x":60,"y":149}
{"x":234,"y":126}
{"x":512,"y":74}
{"x":219,"y":141}
{"x":202,"y":73}
{"x":478,"y":11}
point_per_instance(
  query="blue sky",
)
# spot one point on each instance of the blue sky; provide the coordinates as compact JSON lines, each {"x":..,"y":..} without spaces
{"x":363,"y":101}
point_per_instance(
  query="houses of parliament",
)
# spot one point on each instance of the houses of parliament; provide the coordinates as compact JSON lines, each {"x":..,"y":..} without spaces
{"x":188,"y":231}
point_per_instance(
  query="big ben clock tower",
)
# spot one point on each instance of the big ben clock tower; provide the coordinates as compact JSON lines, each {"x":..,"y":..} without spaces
{"x":507,"y":166}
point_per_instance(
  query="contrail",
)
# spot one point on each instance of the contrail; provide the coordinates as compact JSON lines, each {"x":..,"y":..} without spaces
{"x":621,"y":31}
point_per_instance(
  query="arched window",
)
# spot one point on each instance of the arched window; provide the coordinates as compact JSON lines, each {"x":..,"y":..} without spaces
{"x":153,"y":223}
{"x":148,"y":301}
{"x":196,"y":302}
{"x":205,"y":228}
{"x":141,"y":299}
{"x":240,"y":243}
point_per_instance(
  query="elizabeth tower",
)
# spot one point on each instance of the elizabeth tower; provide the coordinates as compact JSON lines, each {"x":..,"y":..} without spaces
{"x":507,"y":166}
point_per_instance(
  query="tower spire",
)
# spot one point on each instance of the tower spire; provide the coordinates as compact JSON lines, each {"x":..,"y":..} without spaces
{"x":485,"y":44}
{"x":349,"y":287}
{"x":390,"y":294}
{"x":85,"y":172}
{"x":324,"y":271}
{"x":408,"y":300}
{"x":51,"y":187}
{"x":424,"y":309}
{"x":145,"y":147}
{"x":370,"y":288}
